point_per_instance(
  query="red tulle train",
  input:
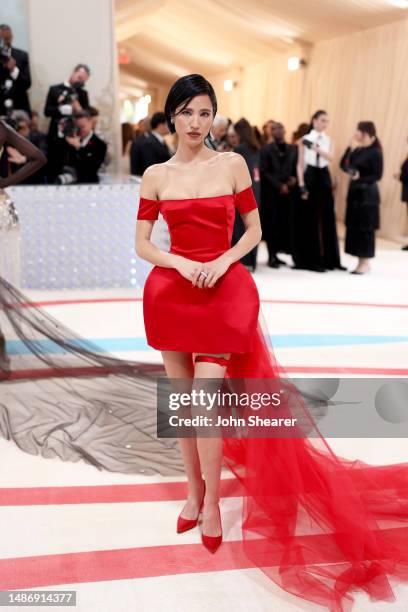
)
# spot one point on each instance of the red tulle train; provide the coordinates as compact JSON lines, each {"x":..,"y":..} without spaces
{"x":320,"y":526}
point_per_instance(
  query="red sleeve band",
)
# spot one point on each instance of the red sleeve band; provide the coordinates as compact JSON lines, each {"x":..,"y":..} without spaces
{"x":245,"y":200}
{"x":148,"y":210}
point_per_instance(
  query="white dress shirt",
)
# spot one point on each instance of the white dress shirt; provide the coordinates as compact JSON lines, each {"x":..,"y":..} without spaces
{"x":311,"y":158}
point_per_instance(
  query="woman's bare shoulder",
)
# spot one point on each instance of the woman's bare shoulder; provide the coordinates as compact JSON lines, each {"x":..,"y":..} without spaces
{"x":152,"y":180}
{"x":228,"y":157}
{"x":156,"y":170}
{"x":233,"y":160}
{"x":238,"y":169}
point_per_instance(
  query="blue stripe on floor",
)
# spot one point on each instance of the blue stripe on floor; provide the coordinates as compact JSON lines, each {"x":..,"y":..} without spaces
{"x":17,"y":347}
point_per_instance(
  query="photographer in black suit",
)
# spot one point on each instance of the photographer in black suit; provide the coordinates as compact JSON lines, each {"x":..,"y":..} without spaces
{"x":15,"y":78}
{"x":77,"y":153}
{"x":68,"y":98}
{"x":152,"y":149}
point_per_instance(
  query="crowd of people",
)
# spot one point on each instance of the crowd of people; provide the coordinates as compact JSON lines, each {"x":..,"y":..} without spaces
{"x":292,"y":185}
{"x":291,"y":180}
{"x":75,"y":151}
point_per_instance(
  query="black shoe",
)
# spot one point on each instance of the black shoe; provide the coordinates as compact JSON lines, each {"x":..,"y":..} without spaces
{"x":404,"y":248}
{"x":318,"y":269}
{"x":273,"y":263}
{"x":339,"y":267}
{"x":297,"y":267}
{"x":358,"y":272}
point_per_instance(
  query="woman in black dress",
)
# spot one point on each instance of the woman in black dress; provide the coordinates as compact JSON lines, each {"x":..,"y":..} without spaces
{"x":249,"y":149}
{"x":364,"y":164}
{"x":316,"y":247}
{"x":12,"y":147}
{"x":403,"y":177}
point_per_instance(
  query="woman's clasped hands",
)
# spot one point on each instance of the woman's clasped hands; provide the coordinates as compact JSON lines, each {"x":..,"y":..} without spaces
{"x":203,"y":274}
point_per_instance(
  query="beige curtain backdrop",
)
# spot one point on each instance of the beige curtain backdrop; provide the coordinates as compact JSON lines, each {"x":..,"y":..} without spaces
{"x":362,"y":76}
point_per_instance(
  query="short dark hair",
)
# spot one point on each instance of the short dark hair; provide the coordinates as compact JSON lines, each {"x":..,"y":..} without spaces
{"x":4,"y":26}
{"x":84,"y":114}
{"x":184,"y":90}
{"x":85,"y":67}
{"x":157,"y":119}
{"x":368,"y":127}
{"x":316,"y":115}
{"x":93,"y":111}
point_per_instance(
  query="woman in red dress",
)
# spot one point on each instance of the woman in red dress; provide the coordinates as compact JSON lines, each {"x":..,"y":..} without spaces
{"x":317,"y":524}
{"x":199,"y":300}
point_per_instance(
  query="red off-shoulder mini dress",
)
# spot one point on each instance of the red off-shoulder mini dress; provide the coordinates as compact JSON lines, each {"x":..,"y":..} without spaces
{"x":181,"y":317}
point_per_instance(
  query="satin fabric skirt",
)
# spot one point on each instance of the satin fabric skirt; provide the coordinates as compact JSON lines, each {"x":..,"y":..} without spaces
{"x":227,"y":313}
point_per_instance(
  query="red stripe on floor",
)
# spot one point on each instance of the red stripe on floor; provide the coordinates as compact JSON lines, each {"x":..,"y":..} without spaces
{"x":122,"y":564}
{"x":150,"y":561}
{"x":264,"y":300}
{"x":345,"y":370}
{"x":151,"y":368}
{"x":151,"y":492}
{"x":143,"y":368}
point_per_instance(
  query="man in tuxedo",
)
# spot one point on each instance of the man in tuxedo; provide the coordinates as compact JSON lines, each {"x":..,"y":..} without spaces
{"x":278,"y":178}
{"x":82,"y":152}
{"x":15,"y":78}
{"x":152,"y":149}
{"x":67,"y":98}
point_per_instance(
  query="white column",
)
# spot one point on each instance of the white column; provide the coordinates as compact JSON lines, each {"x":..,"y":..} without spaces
{"x":64,"y":33}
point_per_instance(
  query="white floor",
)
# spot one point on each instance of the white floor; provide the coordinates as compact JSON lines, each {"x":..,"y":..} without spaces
{"x":351,"y":325}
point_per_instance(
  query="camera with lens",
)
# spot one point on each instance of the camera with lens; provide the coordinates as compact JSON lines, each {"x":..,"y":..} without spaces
{"x":69,"y":127}
{"x":71,"y":94}
{"x":307,"y":143}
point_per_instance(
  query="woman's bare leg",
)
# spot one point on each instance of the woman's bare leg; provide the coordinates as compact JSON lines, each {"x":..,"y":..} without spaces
{"x":210,"y":453}
{"x":179,"y":365}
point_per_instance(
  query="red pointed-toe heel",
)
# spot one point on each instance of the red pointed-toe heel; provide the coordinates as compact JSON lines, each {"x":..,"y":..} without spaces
{"x":212,"y":543}
{"x":184,"y":524}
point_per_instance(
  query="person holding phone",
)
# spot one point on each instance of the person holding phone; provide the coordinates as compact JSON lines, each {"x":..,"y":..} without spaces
{"x":364,"y":165}
{"x":319,"y":248}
